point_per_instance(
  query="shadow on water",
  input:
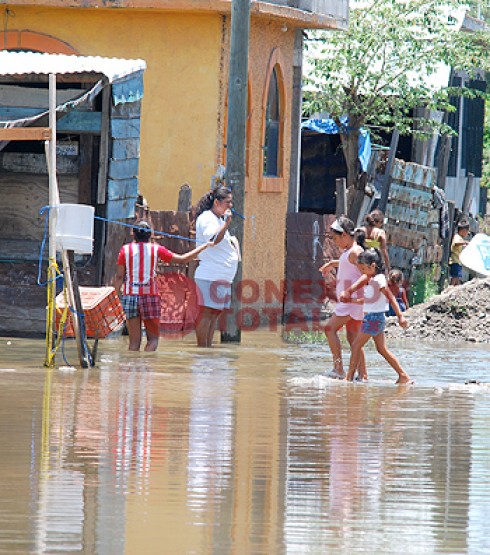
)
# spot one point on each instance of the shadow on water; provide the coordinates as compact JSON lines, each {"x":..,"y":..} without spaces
{"x":243,"y":449}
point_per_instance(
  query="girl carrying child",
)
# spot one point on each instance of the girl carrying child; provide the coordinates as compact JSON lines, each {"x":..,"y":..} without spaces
{"x":376,"y":297}
{"x":346,"y":314}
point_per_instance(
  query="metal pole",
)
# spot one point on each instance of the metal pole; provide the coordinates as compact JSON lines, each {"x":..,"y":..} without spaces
{"x":236,"y":137}
{"x":53,"y":198}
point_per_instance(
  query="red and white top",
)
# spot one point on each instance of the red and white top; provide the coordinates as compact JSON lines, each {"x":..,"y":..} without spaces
{"x":140,"y":261}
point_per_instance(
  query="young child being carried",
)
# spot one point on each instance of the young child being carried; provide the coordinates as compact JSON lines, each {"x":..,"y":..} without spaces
{"x":395,"y":279}
{"x":376,"y":297}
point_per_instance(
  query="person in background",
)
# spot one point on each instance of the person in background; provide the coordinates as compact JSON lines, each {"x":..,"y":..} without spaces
{"x":217,"y":266}
{"x":136,"y":275}
{"x":457,"y":244}
{"x":346,"y":314}
{"x":376,"y":297}
{"x":375,"y":235}
{"x":395,"y":280}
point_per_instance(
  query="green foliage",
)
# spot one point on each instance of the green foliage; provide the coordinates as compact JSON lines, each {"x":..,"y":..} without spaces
{"x":380,"y":68}
{"x":485,"y":180}
{"x":424,"y":284}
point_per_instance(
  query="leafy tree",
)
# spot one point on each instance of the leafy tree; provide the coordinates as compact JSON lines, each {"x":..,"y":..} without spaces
{"x":485,"y":181}
{"x":379,"y":70}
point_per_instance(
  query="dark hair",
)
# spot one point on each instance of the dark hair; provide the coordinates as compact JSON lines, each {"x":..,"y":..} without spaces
{"x":360,"y":237}
{"x":464,"y":224}
{"x":142,"y":231}
{"x":206,"y":202}
{"x":374,"y":217}
{"x":372,"y":255}
{"x":395,"y":275}
{"x":346,"y":224}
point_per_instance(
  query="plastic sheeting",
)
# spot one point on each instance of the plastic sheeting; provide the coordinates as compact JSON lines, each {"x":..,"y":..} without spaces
{"x":329,"y":127}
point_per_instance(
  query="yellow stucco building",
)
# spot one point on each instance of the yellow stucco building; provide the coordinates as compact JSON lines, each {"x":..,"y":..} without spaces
{"x":183,"y":120}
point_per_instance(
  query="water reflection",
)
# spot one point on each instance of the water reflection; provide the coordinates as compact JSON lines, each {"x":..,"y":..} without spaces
{"x":211,"y":424}
{"x":244,"y":449}
{"x":385,"y":471}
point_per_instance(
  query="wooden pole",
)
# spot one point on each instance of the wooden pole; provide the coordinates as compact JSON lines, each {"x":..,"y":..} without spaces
{"x":341,"y":196}
{"x":446,"y":246}
{"x":385,"y":193}
{"x":184,"y":202}
{"x":76,"y":302}
{"x":236,"y":138}
{"x":443,"y":161}
{"x":468,"y":192}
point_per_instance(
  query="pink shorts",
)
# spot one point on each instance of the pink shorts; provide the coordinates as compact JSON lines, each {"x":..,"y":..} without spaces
{"x":355,"y":311}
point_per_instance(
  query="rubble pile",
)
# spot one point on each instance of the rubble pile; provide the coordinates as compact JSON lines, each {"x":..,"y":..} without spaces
{"x":459,"y":313}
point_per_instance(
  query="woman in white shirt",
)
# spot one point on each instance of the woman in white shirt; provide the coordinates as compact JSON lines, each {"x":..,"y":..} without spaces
{"x":216,"y":269}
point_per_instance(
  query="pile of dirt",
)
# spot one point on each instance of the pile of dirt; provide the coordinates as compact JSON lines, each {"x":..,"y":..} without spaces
{"x":459,"y":313}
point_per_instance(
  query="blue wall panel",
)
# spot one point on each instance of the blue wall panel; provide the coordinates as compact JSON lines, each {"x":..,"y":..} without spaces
{"x":124,"y":188}
{"x":123,"y":169}
{"x":125,"y":148}
{"x":121,"y":209}
{"x":125,"y":128}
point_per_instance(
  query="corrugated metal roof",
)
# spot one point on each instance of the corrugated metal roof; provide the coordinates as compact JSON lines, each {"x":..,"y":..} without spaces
{"x":24,"y":63}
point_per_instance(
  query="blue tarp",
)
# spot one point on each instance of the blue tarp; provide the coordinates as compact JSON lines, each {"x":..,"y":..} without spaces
{"x":329,"y":127}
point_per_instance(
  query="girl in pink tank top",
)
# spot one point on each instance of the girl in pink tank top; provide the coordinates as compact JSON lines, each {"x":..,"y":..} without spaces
{"x":349,"y":314}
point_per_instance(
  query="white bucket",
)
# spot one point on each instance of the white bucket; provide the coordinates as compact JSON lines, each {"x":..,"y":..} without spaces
{"x":75,"y":228}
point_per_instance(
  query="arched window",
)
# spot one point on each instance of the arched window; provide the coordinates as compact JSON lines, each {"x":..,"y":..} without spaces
{"x":272,"y":126}
{"x":25,"y":40}
{"x":272,"y":162}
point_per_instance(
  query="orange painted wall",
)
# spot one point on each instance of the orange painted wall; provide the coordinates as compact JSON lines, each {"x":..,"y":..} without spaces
{"x":183,"y":113}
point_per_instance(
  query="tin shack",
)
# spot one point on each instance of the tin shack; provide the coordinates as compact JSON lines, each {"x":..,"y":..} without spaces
{"x":98,"y":128}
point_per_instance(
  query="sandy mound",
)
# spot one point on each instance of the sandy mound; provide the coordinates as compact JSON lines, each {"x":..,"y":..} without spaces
{"x":460,"y":313}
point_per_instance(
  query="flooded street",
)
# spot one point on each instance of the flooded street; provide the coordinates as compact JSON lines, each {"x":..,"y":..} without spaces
{"x":243,"y":449}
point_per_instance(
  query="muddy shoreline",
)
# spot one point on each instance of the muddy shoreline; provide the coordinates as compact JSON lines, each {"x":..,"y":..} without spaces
{"x":459,"y":313}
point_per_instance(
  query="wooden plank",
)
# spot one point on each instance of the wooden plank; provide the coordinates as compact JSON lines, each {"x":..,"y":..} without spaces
{"x":122,"y":149}
{"x":22,"y":301}
{"x":125,"y":128}
{"x":121,"y":209}
{"x":184,"y":203}
{"x":25,"y":134}
{"x":21,"y":250}
{"x":104,"y":144}
{"x":8,"y":113}
{"x":33,"y":97}
{"x":28,"y":193}
{"x":127,"y":110}
{"x":117,"y":236}
{"x":80,"y":122}
{"x":174,"y":223}
{"x":123,"y":169}
{"x":121,"y":189}
{"x":85,"y":174}
{"x":27,"y":162}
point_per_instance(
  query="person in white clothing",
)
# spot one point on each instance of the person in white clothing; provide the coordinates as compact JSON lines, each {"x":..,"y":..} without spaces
{"x":218,"y":266}
{"x":377,"y":294}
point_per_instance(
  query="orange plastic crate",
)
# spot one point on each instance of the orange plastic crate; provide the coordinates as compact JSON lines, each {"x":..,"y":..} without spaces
{"x":102,"y":309}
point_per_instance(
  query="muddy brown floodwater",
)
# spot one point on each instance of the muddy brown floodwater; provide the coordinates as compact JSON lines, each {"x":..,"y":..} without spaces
{"x":243,"y":449}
